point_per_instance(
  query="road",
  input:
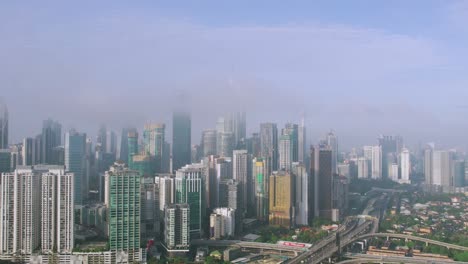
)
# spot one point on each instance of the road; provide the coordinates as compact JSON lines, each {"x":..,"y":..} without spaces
{"x":364,"y":258}
{"x":414,"y":238}
{"x":327,"y":247}
{"x":243,"y":244}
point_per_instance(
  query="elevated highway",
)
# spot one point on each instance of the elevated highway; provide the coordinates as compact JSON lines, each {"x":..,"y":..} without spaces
{"x":412,"y":238}
{"x":364,"y":258}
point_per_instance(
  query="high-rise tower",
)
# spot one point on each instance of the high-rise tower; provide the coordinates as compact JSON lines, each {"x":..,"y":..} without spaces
{"x":124,"y":205}
{"x":189,"y":189}
{"x":153,"y":139}
{"x":181,"y":139}
{"x":75,"y":161}
{"x":51,"y":138}
{"x":269,"y":145}
{"x":3,"y":125}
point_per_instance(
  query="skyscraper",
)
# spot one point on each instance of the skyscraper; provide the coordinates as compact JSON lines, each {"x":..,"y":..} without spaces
{"x":269,"y":145}
{"x":51,"y":138}
{"x":123,"y":156}
{"x":301,"y":193}
{"x":3,"y":126}
{"x":225,"y":144}
{"x":442,"y":171}
{"x":260,"y":192}
{"x":376,"y":163}
{"x":75,"y":161}
{"x":153,"y":138}
{"x":285,"y":152}
{"x":189,"y":189}
{"x":253,"y":145}
{"x":405,"y":166}
{"x":29,"y":152}
{"x":166,"y":184}
{"x":124,"y":205}
{"x":177,"y":228}
{"x":102,"y":138}
{"x":217,"y":168}
{"x":181,"y":139}
{"x":57,"y":217}
{"x":241,"y":172}
{"x":302,"y":141}
{"x":222,"y":223}
{"x":292,"y":130}
{"x":238,"y":127}
{"x":459,"y":173}
{"x":149,"y":205}
{"x":132,"y":139}
{"x":20,"y":219}
{"x":325,"y":183}
{"x":428,"y":166}
{"x":389,"y":145}
{"x":209,"y":142}
{"x":111,"y":145}
{"x":229,"y":194}
{"x":281,"y":199}
{"x":332,"y":143}
{"x":5,"y":161}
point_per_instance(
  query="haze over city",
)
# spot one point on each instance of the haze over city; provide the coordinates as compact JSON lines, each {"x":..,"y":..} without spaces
{"x":361,"y":68}
{"x":234,"y":132}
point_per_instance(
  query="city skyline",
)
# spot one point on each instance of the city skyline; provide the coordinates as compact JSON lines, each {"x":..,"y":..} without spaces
{"x":234,"y":131}
{"x":392,"y":71}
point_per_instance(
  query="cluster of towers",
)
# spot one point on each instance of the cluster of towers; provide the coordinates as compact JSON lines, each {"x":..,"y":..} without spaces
{"x":55,"y":186}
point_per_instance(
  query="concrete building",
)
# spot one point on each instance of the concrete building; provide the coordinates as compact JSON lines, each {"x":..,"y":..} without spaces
{"x":20,"y":219}
{"x":405,"y":166}
{"x":376,"y":163}
{"x":340,"y":198}
{"x":222,"y":223}
{"x":58,"y":214}
{"x":393,"y":173}
{"x":442,"y":171}
{"x":177,"y":228}
{"x":166,"y":187}
{"x":218,"y":168}
{"x":285,"y":152}
{"x":301,"y":192}
{"x":428,"y":166}
{"x":37,"y":210}
{"x":229,"y":194}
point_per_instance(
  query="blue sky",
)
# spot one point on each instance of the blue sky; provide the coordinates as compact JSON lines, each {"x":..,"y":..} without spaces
{"x":362,"y":68}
